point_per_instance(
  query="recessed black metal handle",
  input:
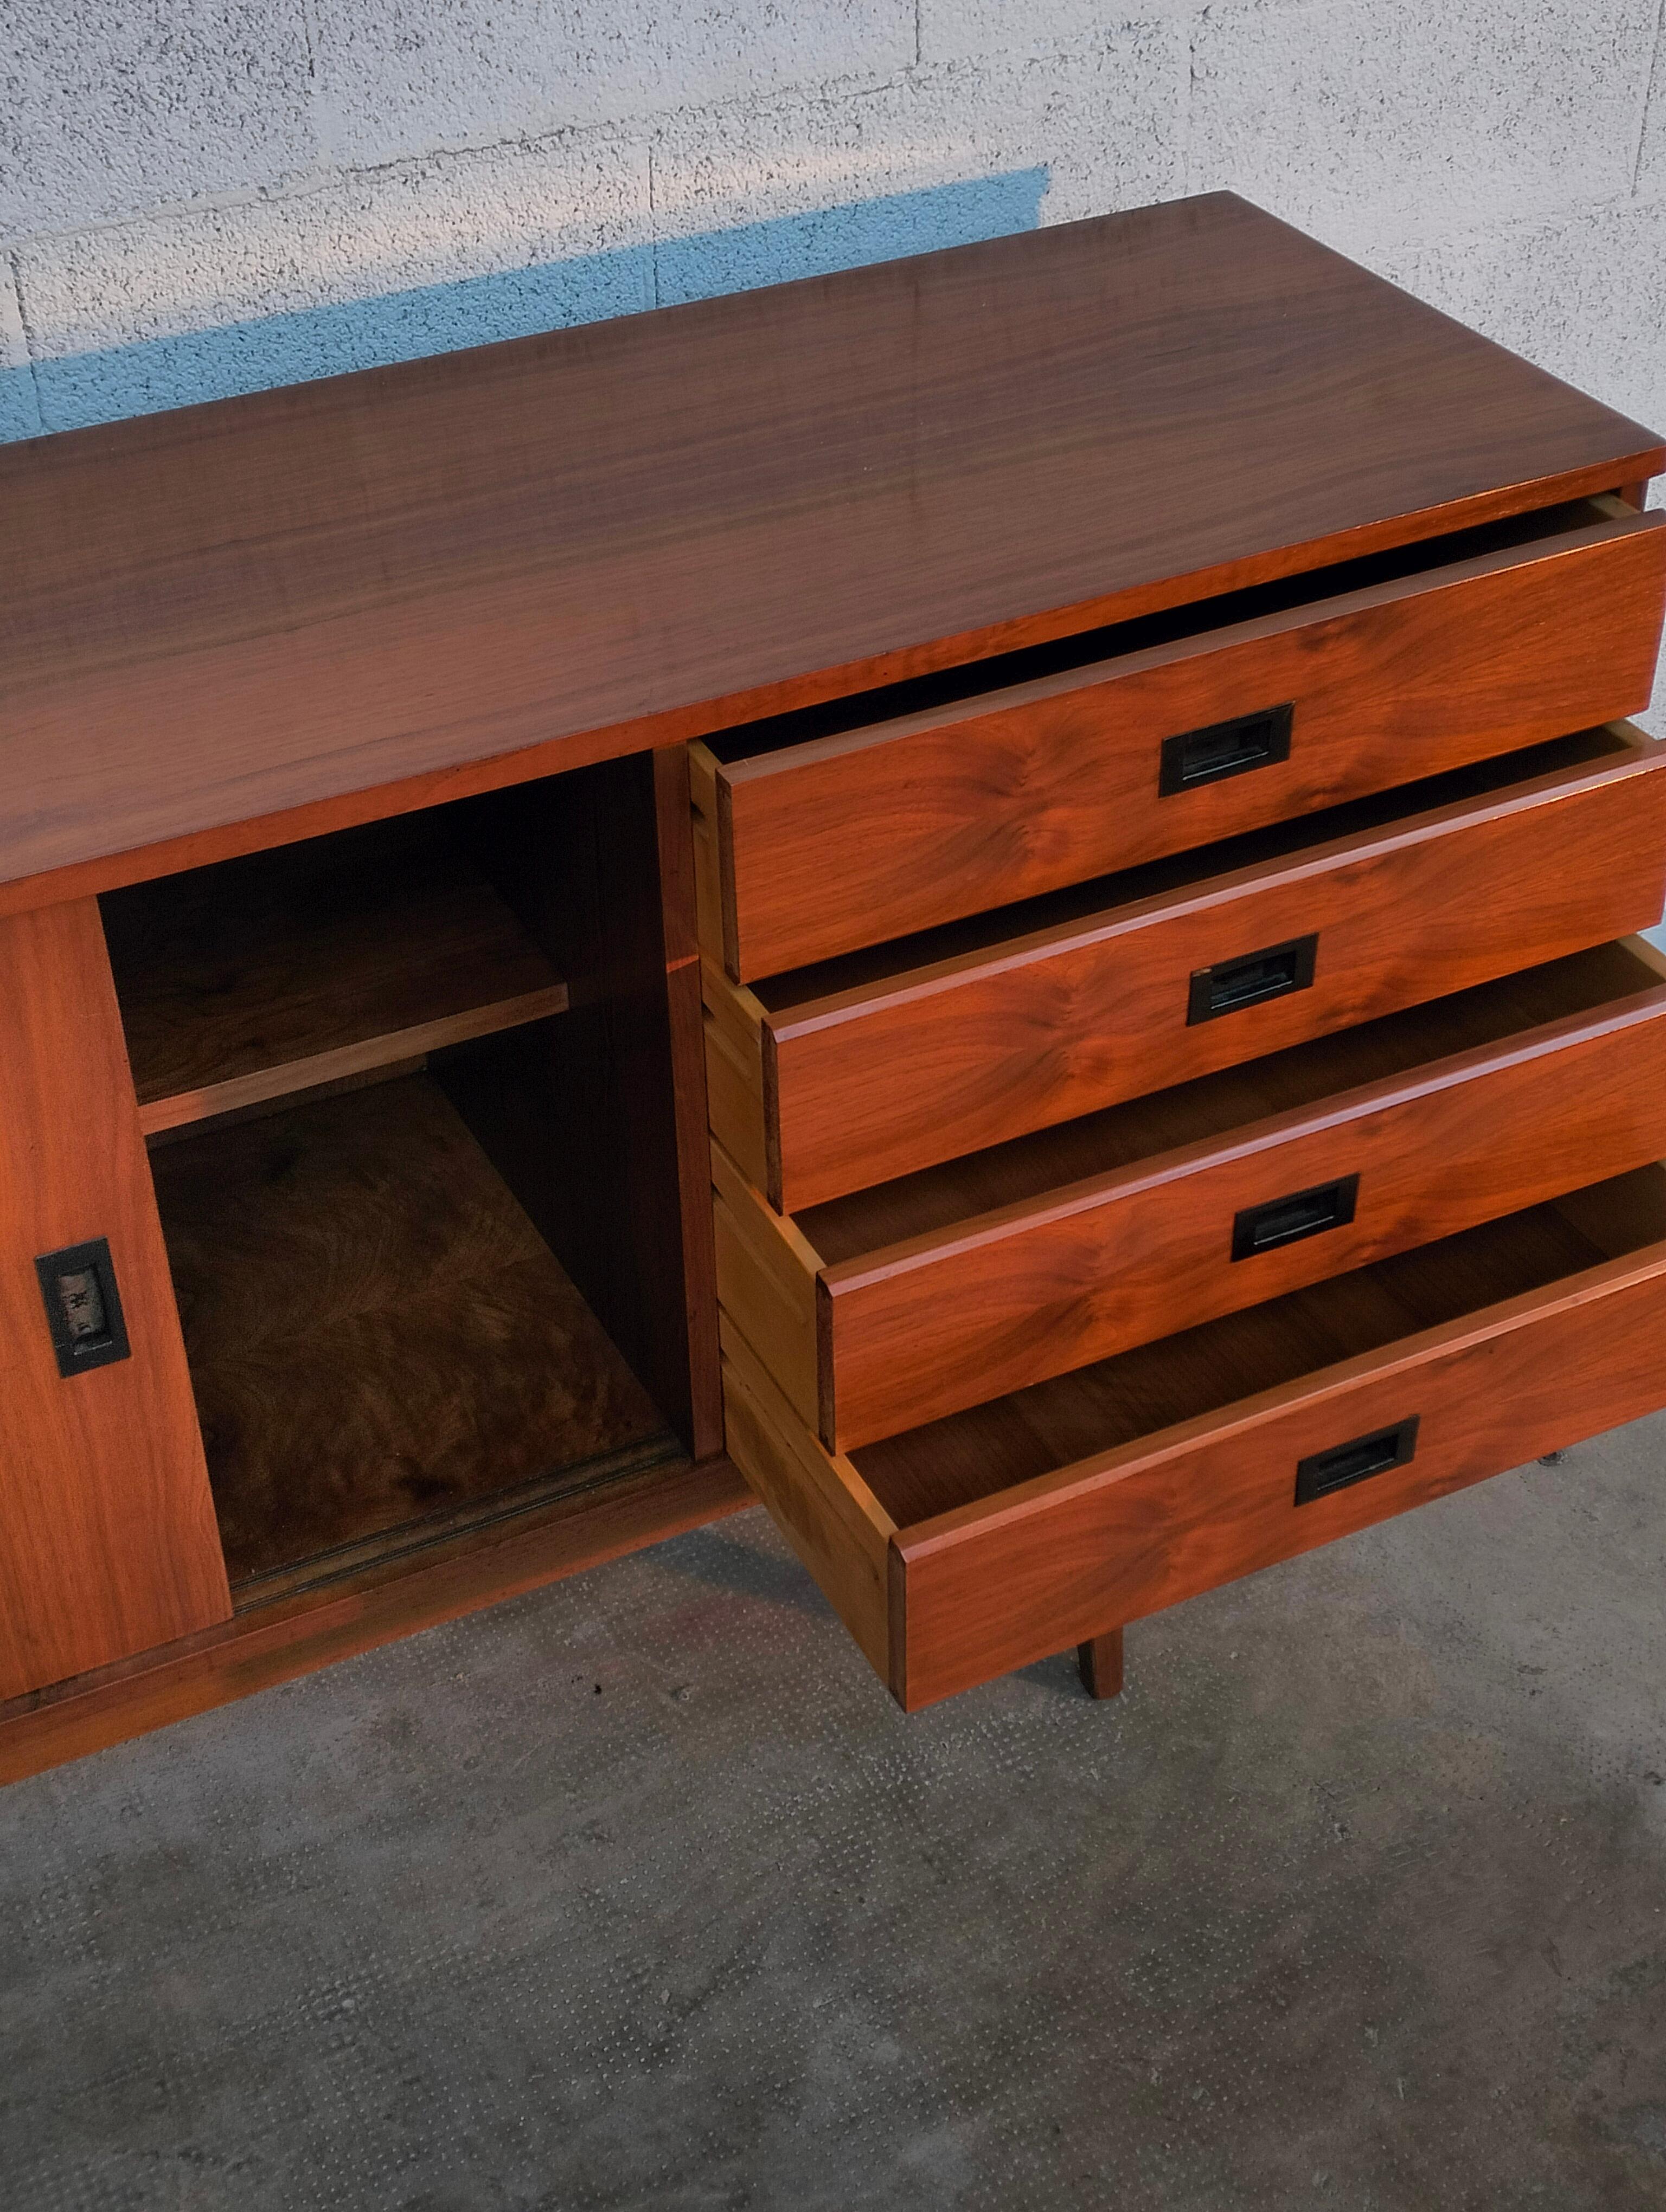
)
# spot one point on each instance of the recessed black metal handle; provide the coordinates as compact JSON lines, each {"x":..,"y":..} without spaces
{"x":1280,"y":1221}
{"x":1223,"y":749}
{"x":1320,"y":1472}
{"x":83,"y":1306}
{"x":1246,"y":981}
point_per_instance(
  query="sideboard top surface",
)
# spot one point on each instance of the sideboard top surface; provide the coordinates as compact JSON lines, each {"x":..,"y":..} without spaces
{"x":426,"y":579}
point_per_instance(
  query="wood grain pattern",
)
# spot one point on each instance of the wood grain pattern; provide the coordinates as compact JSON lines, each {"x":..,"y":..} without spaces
{"x":271,"y":975}
{"x":739,"y":1078}
{"x":377,"y":1333}
{"x":709,"y":878}
{"x":885,"y":829}
{"x":277,"y":1643}
{"x":889,"y":1308}
{"x":1126,"y":1486}
{"x":1134,"y":1529}
{"x":822,"y":1509}
{"x":695,"y":1278}
{"x":107,"y":1539}
{"x":931,"y":1051}
{"x":988,"y":1304}
{"x":969,"y":1458}
{"x":767,"y":1276}
{"x":490,"y":565}
{"x":1013,"y":1176}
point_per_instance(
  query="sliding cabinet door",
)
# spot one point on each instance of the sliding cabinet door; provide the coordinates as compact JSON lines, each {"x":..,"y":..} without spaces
{"x":107,"y":1537}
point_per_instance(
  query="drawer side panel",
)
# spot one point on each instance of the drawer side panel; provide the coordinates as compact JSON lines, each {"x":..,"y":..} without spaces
{"x":819,"y":1505}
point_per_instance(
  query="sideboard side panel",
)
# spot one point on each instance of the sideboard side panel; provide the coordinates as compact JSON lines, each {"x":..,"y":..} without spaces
{"x":107,"y":1538}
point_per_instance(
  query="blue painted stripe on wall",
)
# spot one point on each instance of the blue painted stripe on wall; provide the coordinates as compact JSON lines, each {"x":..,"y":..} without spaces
{"x":141,"y":378}
{"x":20,"y":406}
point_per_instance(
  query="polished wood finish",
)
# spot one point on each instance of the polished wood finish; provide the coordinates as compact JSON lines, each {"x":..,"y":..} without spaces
{"x":107,"y":1540}
{"x":1034,"y":507}
{"x":740,"y":1077}
{"x":378,"y":1335}
{"x":1128,"y":1486}
{"x":1584,"y":993}
{"x":1002,"y":1299}
{"x":972,"y":1457}
{"x":275,"y":974}
{"x":767,"y":1273}
{"x":490,"y":565}
{"x":886,"y":1310}
{"x":883,"y":1063}
{"x":902,"y":823}
{"x":1100,"y":1659}
{"x":1134,"y":1529}
{"x":277,"y":1643}
{"x":828,"y":1514}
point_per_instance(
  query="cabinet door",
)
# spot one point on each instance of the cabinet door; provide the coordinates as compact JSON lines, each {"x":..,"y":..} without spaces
{"x":107,"y":1537}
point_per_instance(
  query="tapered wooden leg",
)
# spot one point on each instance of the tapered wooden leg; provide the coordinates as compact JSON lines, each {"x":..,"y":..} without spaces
{"x":1101,"y":1661}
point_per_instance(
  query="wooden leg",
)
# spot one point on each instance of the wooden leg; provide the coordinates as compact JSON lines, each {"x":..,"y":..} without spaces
{"x":1101,"y":1661}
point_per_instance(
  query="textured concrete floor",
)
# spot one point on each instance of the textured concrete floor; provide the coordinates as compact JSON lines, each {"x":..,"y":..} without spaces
{"x":640,"y":1893}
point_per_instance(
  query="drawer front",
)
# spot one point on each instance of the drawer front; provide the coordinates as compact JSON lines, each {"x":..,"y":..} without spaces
{"x":849,"y":840}
{"x":983,"y":1590}
{"x":955,"y":1601}
{"x":943,"y":1323}
{"x":851,"y":1091}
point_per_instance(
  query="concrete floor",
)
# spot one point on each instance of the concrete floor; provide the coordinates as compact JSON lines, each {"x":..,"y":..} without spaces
{"x":640,"y":1893}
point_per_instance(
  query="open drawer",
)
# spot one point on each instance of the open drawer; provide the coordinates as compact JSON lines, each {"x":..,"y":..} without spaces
{"x":900,"y":1303}
{"x":962,"y":1549}
{"x":823,"y":831}
{"x":870,"y":1067}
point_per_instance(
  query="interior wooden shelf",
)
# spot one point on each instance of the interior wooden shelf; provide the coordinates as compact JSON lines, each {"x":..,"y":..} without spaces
{"x":381,"y":1345}
{"x":263,"y":976}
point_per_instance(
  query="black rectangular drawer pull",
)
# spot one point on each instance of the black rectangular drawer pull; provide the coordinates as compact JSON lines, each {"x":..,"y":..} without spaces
{"x":1280,"y":1221}
{"x":1223,"y":749}
{"x":1246,"y":981}
{"x":1320,"y":1472}
{"x":83,"y":1306}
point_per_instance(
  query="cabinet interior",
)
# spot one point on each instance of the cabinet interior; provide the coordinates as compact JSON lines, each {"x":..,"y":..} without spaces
{"x":413,"y":1234}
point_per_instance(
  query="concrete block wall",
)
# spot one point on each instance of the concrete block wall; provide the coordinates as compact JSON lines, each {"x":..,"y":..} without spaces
{"x":199,"y":197}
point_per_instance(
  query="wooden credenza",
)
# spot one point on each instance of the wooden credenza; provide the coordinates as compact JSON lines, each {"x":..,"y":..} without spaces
{"x":993,"y":898}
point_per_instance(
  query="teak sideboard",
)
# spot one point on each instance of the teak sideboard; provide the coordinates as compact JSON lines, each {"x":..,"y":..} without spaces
{"x":993,"y":898}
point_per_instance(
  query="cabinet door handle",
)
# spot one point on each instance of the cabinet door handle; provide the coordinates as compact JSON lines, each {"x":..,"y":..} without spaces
{"x":83,"y":1306}
{"x":1222,"y":749}
{"x":1246,"y":981}
{"x":1320,"y":1472}
{"x":1280,"y":1221}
